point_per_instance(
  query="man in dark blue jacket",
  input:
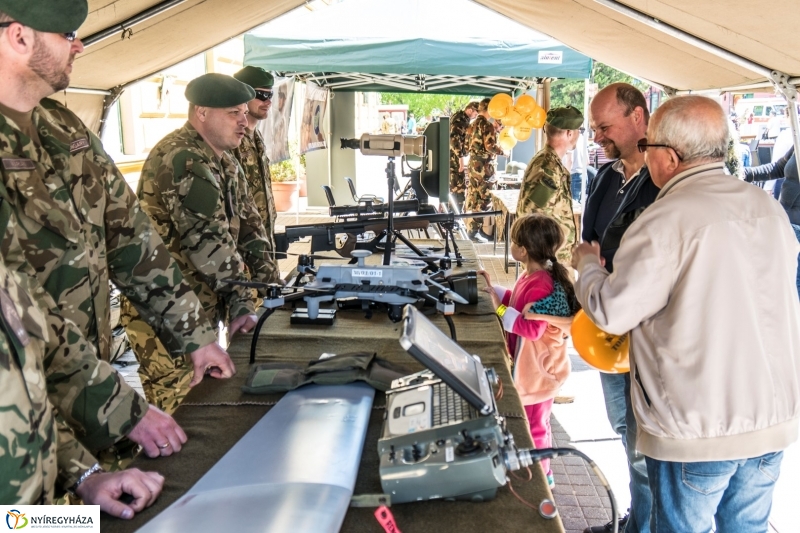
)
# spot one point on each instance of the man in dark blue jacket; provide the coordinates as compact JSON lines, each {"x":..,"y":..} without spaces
{"x":619,"y":193}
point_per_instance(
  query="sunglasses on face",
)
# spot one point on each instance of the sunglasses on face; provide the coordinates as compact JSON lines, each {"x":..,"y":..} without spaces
{"x":70,"y":36}
{"x":642,"y":145}
{"x":264,"y":96}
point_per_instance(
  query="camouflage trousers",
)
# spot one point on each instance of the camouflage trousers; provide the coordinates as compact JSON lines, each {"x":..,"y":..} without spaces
{"x":481,"y":174}
{"x":165,"y":380}
{"x":458,"y":182}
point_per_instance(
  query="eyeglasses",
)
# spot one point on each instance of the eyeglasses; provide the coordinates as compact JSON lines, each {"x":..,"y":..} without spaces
{"x":70,"y":36}
{"x":264,"y":96}
{"x":643,"y":146}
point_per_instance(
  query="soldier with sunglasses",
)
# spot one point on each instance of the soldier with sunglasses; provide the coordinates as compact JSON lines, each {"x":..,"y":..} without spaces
{"x":251,"y":153}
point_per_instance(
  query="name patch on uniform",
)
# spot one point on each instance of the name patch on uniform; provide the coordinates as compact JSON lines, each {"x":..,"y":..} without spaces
{"x":12,"y":318}
{"x":77,"y":146}
{"x":18,"y":164}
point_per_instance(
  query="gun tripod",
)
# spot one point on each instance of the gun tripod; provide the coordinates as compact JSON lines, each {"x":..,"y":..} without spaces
{"x":390,"y":233}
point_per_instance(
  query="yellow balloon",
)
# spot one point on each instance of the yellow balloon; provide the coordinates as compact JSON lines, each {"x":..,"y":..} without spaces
{"x":525,"y":104}
{"x":512,"y":118}
{"x":500,"y":105}
{"x":521,"y":132}
{"x":536,"y":118}
{"x":506,"y":140}
{"x":606,"y":352}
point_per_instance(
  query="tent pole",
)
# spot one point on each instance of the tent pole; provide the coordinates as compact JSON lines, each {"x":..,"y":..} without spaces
{"x":783,"y":86}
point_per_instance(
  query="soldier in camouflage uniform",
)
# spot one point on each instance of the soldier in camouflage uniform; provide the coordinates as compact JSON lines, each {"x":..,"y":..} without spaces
{"x":546,"y":185}
{"x":483,"y":149}
{"x":196,"y":195}
{"x":251,"y":154}
{"x":79,"y":226}
{"x":34,"y":453}
{"x":459,"y":150}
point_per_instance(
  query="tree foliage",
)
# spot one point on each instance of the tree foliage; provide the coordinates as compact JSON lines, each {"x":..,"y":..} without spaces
{"x":424,"y":104}
{"x":570,"y":92}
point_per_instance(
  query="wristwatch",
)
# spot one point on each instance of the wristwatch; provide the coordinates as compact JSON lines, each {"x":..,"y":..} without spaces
{"x":93,"y":470}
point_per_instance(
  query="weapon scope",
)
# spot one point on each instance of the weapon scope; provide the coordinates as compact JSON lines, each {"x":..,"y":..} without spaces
{"x":368,"y":208}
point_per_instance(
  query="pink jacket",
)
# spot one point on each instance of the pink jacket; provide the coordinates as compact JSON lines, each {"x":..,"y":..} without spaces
{"x":542,"y":365}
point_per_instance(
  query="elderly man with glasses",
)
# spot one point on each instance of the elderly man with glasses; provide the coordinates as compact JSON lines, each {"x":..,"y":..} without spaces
{"x":715,"y":327}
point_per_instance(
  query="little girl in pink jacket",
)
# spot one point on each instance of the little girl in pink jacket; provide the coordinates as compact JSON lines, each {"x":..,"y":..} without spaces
{"x":537,"y":347}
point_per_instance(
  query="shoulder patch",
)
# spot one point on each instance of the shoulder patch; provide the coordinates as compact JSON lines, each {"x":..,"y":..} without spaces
{"x":202,"y":197}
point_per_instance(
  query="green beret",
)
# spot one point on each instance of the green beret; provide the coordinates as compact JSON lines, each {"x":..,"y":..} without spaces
{"x":255,"y":77}
{"x":565,"y":118}
{"x":218,"y":90}
{"x":49,"y":16}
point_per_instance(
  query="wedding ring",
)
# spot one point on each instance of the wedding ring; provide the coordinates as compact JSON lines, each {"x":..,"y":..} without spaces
{"x":162,"y":446}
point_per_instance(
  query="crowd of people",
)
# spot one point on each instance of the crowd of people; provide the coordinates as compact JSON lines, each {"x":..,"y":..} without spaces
{"x":700,"y":267}
{"x":203,"y":213}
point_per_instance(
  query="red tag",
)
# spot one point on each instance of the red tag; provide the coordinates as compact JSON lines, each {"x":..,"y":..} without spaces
{"x":386,"y":519}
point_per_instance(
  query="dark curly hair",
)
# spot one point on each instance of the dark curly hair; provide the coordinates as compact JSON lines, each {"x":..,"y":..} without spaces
{"x":541,"y":237}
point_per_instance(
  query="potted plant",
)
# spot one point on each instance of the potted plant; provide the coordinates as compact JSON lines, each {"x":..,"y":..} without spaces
{"x":285,"y":188}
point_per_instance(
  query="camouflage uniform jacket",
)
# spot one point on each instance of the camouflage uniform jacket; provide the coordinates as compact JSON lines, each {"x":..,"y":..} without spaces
{"x":459,"y":123}
{"x":89,"y":394}
{"x":482,"y":139}
{"x":79,"y":226}
{"x":32,"y":453}
{"x":200,"y":205}
{"x":546,"y":190}
{"x":252,"y":156}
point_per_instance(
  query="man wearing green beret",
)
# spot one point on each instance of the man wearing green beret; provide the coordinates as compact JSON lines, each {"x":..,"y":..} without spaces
{"x":79,"y":227}
{"x":197,"y":196}
{"x":251,"y":153}
{"x":546,"y":185}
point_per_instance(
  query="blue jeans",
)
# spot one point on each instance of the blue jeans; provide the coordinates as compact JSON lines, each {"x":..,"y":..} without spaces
{"x":616,"y":391}
{"x":687,"y":497}
{"x":576,"y":186}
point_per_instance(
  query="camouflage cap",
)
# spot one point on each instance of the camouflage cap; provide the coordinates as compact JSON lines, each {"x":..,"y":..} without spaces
{"x":255,"y":77}
{"x":50,"y":16}
{"x":218,"y":90}
{"x":565,"y":118}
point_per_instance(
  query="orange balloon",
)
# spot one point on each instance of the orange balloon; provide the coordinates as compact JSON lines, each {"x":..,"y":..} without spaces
{"x":506,"y":140}
{"x":521,"y":132}
{"x":606,"y":352}
{"x":512,"y":118}
{"x":500,"y":105}
{"x":525,"y":104}
{"x":536,"y":118}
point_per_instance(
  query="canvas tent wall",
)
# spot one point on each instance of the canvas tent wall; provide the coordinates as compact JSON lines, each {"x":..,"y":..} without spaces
{"x":592,"y":28}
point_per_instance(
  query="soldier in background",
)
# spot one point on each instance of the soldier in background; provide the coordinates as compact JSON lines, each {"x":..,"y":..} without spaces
{"x":546,"y":185}
{"x":197,"y":197}
{"x":459,"y":151}
{"x":79,"y":227}
{"x":251,"y":153}
{"x":483,"y":150}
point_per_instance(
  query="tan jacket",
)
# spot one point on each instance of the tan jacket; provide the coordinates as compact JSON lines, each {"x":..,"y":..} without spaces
{"x":704,"y":279}
{"x":542,"y":366}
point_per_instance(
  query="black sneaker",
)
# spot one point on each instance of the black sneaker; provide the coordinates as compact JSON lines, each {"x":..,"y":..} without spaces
{"x":489,"y":238}
{"x":477,"y":236}
{"x":608,"y":528}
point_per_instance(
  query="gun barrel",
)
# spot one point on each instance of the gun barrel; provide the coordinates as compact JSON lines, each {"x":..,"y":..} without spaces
{"x":357,"y":227}
{"x":368,"y":208}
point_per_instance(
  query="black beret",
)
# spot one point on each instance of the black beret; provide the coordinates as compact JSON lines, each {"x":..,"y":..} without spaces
{"x":255,"y":77}
{"x":565,"y":118}
{"x":50,"y":16}
{"x":218,"y":90}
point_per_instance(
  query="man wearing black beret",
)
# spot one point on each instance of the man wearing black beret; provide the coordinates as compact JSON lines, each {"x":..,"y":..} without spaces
{"x":251,"y":153}
{"x":197,"y":197}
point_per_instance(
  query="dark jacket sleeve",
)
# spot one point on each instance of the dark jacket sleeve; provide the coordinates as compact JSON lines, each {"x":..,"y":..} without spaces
{"x":770,"y":171}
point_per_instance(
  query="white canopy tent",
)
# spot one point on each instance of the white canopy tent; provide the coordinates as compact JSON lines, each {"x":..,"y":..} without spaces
{"x":682,"y":45}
